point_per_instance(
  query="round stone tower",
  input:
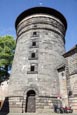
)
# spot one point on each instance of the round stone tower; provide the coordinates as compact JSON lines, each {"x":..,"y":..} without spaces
{"x":34,"y":83}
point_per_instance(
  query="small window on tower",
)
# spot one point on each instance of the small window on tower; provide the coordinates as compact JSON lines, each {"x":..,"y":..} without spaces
{"x":70,"y":93}
{"x":34,"y":33}
{"x":33,"y":55}
{"x":35,"y":26}
{"x":32,"y":68}
{"x":33,"y":43}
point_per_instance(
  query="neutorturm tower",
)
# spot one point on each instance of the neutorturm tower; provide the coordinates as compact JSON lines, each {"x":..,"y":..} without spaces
{"x":35,"y":82}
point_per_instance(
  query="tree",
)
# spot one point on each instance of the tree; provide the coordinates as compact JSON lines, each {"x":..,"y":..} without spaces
{"x":7,"y":50}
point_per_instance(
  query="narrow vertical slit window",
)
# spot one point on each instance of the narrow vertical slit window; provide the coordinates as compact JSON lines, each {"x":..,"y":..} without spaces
{"x":32,"y":55}
{"x":32,"y":68}
{"x":34,"y":33}
{"x":33,"y":43}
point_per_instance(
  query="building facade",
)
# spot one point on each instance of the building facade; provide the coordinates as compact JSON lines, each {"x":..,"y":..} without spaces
{"x":71,"y":59}
{"x":40,"y":71}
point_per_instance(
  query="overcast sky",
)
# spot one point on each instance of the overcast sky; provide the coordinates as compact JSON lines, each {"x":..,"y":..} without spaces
{"x":10,"y":9}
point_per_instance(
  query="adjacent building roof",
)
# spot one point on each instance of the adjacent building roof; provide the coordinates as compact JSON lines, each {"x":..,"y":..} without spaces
{"x":71,"y":52}
{"x":39,"y":10}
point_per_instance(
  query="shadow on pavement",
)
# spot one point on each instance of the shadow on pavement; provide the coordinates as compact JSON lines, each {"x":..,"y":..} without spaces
{"x":5,"y":108}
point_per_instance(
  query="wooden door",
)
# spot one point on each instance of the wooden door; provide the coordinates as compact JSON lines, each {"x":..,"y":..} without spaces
{"x":30,"y":102}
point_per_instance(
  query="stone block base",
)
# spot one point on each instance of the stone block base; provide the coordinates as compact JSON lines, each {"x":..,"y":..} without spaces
{"x":43,"y":104}
{"x":16,"y":104}
{"x":73,"y":104}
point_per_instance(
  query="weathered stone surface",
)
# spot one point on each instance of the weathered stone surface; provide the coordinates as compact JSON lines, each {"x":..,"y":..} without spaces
{"x":33,"y":114}
{"x":40,"y":72}
{"x":71,"y":59}
{"x":41,"y":65}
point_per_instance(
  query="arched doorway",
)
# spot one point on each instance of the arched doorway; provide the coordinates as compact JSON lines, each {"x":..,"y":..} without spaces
{"x":30,"y":101}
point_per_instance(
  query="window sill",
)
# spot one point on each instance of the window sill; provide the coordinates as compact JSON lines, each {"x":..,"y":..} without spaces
{"x":32,"y":72}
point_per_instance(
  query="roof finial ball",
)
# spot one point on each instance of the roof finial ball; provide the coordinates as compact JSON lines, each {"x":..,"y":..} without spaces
{"x":41,"y":4}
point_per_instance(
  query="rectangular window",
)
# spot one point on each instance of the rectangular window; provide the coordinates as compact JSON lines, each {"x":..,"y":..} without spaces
{"x":61,"y":72}
{"x":33,"y":68}
{"x":33,"y":55}
{"x":33,"y":43}
{"x":35,"y":34}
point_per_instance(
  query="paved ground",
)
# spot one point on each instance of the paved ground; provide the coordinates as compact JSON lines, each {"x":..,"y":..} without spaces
{"x":36,"y":114}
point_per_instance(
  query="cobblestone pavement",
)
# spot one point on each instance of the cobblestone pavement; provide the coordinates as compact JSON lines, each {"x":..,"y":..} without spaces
{"x":36,"y":114}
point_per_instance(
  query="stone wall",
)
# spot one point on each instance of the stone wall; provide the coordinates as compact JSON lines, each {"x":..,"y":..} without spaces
{"x":72,"y":63}
{"x":49,"y":51}
{"x":38,"y":56}
{"x":71,"y":58}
